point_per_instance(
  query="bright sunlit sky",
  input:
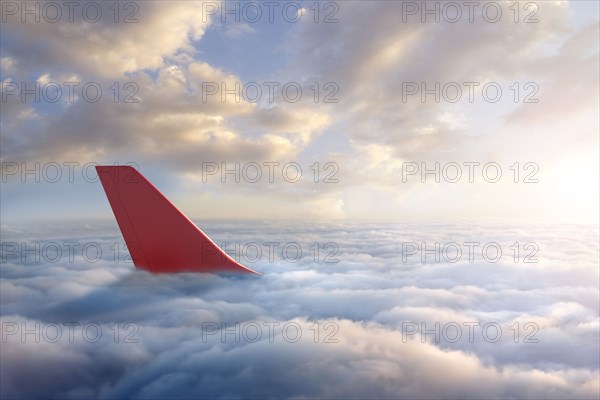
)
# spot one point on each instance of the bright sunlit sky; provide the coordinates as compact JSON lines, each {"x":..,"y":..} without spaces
{"x":370,"y":133}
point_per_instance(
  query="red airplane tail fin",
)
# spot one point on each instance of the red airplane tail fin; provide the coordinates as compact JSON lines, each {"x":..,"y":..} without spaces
{"x":160,"y":238}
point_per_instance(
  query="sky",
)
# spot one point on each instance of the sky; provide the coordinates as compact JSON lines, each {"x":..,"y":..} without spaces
{"x":362,"y":112}
{"x":418,"y":183}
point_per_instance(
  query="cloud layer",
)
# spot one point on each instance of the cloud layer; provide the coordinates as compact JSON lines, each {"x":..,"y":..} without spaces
{"x":363,"y":307}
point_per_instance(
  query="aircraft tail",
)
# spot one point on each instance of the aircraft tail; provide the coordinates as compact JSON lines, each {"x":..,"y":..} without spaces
{"x":160,"y":238}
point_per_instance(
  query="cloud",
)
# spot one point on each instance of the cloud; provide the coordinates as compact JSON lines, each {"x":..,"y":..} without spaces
{"x":361,"y":307}
{"x":99,"y":45}
{"x":373,"y":52}
{"x":370,"y":54}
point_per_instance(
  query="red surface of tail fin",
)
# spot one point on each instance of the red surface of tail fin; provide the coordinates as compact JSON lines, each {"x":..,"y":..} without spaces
{"x":159,"y":237}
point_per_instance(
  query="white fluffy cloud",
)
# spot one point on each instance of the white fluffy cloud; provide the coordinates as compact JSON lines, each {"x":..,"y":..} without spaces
{"x":99,"y":45}
{"x":369,"y":296}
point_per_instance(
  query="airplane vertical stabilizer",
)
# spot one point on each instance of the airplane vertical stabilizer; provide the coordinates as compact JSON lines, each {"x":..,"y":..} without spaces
{"x":160,"y":238}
